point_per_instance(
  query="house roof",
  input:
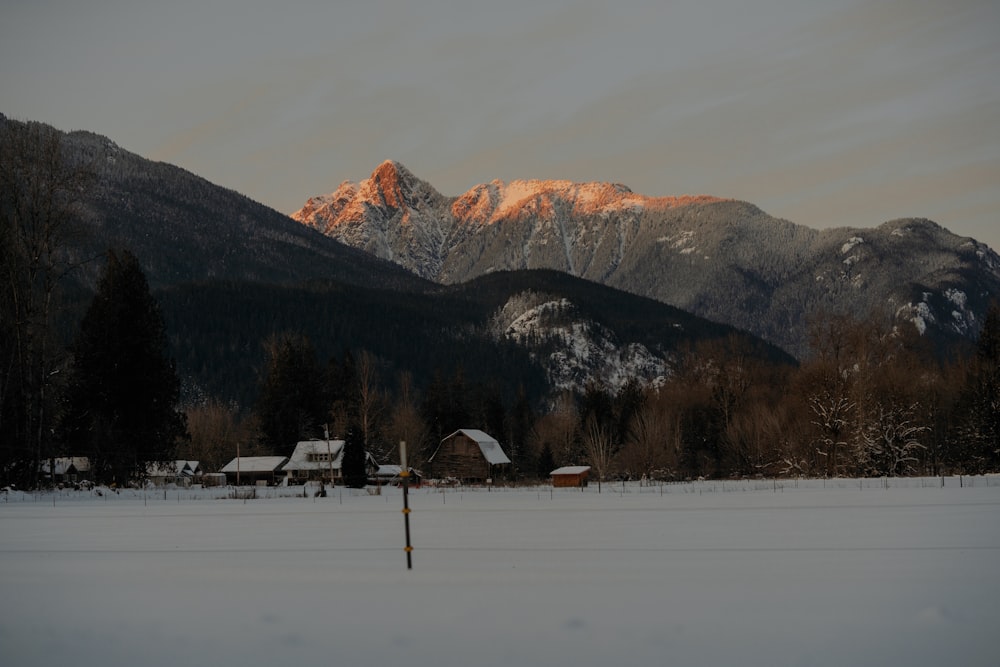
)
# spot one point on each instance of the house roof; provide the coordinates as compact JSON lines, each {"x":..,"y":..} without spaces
{"x":178,"y":468}
{"x":255,"y":464}
{"x":299,"y":460}
{"x":488,"y":445}
{"x":66,"y":464}
{"x":570,"y":470}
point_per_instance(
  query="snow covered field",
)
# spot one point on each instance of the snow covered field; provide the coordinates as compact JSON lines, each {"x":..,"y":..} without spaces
{"x":758,"y":573}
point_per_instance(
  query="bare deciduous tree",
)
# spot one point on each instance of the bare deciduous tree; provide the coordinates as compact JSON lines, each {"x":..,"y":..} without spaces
{"x":41,"y":190}
{"x":216,"y":429}
{"x":406,"y":424}
{"x":652,"y":449}
{"x":598,"y":440}
{"x":370,"y":399}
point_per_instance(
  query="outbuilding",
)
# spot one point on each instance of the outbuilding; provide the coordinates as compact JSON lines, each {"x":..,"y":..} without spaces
{"x":254,"y":469}
{"x":468,"y":455}
{"x":570,"y":476}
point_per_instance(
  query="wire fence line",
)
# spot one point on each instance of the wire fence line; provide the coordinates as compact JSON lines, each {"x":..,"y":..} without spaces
{"x":339,"y":495}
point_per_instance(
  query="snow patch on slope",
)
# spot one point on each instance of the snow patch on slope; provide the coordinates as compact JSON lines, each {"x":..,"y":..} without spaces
{"x":572,"y":350}
{"x":852,"y":242}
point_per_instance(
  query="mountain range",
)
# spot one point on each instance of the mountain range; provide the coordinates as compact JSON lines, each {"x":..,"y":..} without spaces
{"x":550,"y":284}
{"x":230,"y":273}
{"x":720,"y":259}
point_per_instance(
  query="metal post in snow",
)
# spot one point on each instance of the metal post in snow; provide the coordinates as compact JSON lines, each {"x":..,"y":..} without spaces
{"x":405,"y":474}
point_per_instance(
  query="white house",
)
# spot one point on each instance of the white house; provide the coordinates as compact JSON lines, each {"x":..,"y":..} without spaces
{"x":320,"y":460}
{"x":315,"y":460}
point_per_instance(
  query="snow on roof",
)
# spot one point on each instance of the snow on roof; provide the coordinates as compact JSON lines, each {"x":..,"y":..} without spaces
{"x":65,"y":463}
{"x":570,"y":470}
{"x":180,"y":468}
{"x":488,"y":445}
{"x":169,"y":469}
{"x":255,"y":464}
{"x":303,"y":457}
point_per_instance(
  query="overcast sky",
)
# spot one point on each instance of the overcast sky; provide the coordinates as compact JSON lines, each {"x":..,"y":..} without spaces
{"x":826,"y":113}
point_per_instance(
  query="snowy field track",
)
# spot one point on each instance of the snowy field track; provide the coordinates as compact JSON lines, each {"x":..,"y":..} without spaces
{"x":843,"y":572}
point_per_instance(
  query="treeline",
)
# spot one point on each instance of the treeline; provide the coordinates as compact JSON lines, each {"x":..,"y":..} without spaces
{"x":871,"y":401}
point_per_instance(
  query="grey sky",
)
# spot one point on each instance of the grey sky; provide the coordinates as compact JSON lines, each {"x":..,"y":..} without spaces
{"x":827,"y":113}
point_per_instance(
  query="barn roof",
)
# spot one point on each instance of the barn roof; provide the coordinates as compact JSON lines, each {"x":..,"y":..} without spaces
{"x":570,"y":470}
{"x":488,"y":445}
{"x":255,"y":464}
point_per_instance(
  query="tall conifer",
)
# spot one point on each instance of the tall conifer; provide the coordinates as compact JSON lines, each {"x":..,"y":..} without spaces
{"x":122,"y":401}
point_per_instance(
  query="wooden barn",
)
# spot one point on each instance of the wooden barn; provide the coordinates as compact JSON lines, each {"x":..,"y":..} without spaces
{"x":468,"y":455}
{"x":570,"y":476}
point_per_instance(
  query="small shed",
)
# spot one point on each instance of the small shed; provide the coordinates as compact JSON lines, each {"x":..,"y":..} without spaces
{"x":570,"y":476}
{"x":254,"y":469}
{"x":469,"y":455}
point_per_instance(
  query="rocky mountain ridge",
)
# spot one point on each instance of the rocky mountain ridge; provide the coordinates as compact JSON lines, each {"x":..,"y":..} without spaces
{"x":722,"y":259}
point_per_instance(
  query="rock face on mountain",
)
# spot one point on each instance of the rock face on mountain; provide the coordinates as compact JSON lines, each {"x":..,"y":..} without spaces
{"x":721,"y":259}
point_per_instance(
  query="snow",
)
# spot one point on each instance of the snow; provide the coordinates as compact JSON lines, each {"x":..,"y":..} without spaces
{"x":488,"y":445}
{"x":255,"y":464}
{"x":852,"y":242}
{"x":515,"y":192}
{"x":839,"y":572}
{"x":570,"y":470}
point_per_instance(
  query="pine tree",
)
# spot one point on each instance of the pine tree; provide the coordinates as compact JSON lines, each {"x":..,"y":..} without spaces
{"x":121,"y":404}
{"x":355,"y":473}
{"x":546,"y":462}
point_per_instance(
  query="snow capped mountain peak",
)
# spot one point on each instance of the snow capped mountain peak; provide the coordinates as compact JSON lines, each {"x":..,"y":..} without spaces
{"x":721,"y":259}
{"x":393,"y":187}
{"x":396,"y":216}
